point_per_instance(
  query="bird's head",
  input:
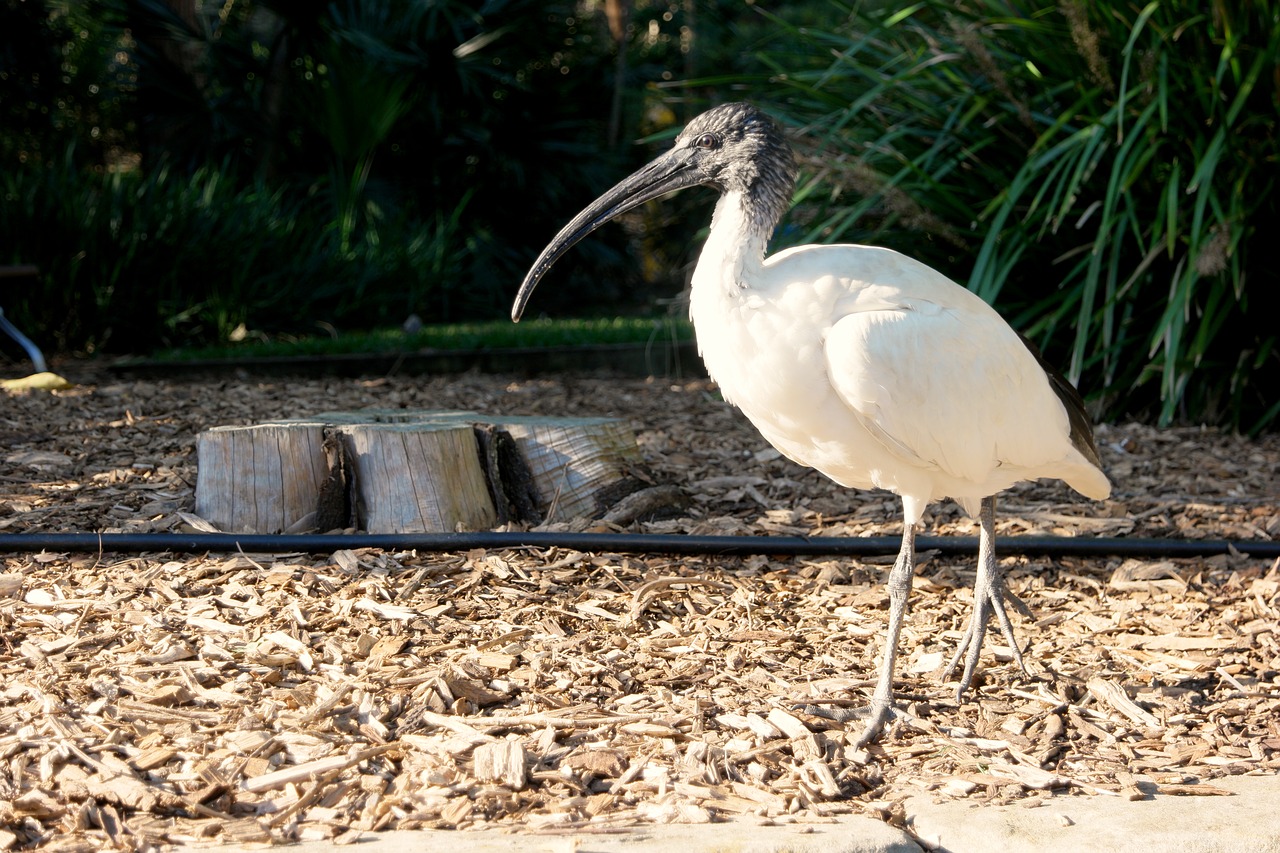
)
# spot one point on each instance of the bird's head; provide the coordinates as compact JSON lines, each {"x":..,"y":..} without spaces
{"x":734,"y":148}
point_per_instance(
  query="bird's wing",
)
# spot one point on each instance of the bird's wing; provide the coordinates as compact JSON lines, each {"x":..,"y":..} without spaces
{"x":949,"y":387}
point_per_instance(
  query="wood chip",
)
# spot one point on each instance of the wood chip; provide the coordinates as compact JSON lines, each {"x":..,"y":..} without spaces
{"x":159,"y":699}
{"x":502,"y":762}
{"x":1112,"y":694}
{"x":1195,"y":791}
{"x":1029,"y":777}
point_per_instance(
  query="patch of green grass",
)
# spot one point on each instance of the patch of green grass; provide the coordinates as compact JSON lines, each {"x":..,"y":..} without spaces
{"x":498,"y":334}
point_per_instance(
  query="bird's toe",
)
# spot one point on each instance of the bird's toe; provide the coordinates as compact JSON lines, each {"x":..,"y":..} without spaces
{"x":875,"y":717}
{"x":878,"y":717}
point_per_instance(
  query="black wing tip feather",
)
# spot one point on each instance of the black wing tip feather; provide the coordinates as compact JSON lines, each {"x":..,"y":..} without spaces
{"x":1079,"y":420}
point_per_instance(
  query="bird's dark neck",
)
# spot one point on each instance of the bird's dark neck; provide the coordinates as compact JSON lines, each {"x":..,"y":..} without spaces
{"x":763,"y":208}
{"x":766,"y":195}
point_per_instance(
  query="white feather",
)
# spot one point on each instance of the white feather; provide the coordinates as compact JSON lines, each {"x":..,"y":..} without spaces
{"x":877,"y":370}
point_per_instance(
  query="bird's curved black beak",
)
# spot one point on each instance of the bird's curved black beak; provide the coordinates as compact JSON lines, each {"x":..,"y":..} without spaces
{"x":672,"y":171}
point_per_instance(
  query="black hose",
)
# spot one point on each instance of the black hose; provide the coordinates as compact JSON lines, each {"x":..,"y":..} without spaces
{"x":625,"y":543}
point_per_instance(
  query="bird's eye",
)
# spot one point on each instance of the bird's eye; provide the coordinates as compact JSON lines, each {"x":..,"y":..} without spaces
{"x":707,"y":141}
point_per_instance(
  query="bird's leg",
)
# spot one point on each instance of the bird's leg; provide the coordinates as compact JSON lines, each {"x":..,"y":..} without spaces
{"x":988,"y":597}
{"x":899,"y":589}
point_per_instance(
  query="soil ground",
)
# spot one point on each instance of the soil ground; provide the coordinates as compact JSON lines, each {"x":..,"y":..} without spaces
{"x":158,"y":698}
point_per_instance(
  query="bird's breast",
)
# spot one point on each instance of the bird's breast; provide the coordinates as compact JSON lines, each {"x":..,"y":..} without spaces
{"x":764,"y":347}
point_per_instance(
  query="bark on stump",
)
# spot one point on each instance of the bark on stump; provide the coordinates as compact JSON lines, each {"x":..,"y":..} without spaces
{"x":397,"y":471}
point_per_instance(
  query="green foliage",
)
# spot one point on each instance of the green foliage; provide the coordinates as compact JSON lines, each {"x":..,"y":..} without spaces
{"x":60,"y":81}
{"x":371,"y":159}
{"x":154,"y":260}
{"x":387,"y":111}
{"x":1106,"y":172}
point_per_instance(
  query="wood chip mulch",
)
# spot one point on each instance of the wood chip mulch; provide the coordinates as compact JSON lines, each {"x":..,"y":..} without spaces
{"x":159,"y":698}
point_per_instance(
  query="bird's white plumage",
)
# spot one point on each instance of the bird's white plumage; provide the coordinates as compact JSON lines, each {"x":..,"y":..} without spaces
{"x":877,"y":370}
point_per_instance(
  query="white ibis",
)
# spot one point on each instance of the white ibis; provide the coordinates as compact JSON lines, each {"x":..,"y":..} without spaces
{"x":869,"y":366}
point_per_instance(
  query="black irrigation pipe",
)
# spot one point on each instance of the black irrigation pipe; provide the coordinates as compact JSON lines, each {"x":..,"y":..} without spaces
{"x":640,"y":543}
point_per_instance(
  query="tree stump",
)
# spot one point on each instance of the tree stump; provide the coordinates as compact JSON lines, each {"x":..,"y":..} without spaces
{"x":581,"y":466}
{"x":265,"y":478}
{"x":414,"y":478}
{"x":398,"y":471}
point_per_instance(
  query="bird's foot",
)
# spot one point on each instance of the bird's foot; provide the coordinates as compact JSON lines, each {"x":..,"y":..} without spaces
{"x":990,"y":600}
{"x":876,"y":717}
